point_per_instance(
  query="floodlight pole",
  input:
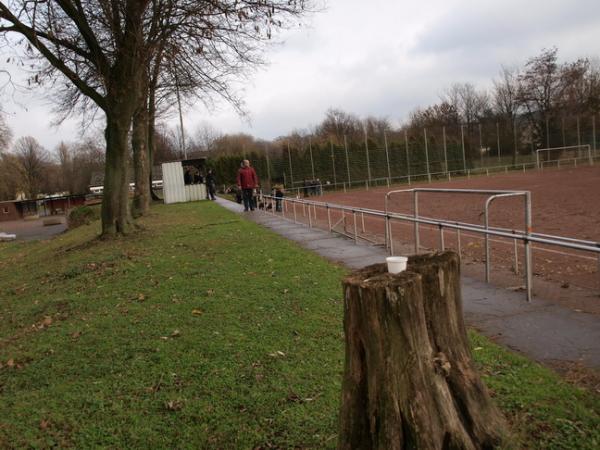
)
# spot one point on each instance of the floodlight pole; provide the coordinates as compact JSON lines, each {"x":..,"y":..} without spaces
{"x":367,"y":151}
{"x":332,"y":162}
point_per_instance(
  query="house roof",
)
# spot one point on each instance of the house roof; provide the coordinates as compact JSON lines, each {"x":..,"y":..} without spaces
{"x":97,"y":178}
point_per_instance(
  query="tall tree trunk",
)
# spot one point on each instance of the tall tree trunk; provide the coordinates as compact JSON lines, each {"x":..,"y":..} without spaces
{"x":151,"y":136}
{"x":139,"y":143}
{"x":115,"y":200}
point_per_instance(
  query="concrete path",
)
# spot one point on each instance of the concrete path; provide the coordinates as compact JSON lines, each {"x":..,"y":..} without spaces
{"x":545,"y":332}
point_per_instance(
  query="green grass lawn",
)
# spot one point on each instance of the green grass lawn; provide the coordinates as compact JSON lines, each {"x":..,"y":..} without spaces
{"x":203,"y":330}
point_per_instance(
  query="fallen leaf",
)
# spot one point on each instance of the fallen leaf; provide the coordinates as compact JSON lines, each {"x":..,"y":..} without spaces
{"x":174,"y":405}
{"x":47,"y":321}
{"x":10,"y":363}
{"x":76,"y":334}
{"x":141,"y":297}
{"x":44,"y":424}
{"x":176,"y":333}
{"x":197,"y":312}
{"x":210,"y":292}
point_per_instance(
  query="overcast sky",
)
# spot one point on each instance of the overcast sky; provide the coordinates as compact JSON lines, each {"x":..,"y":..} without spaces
{"x":377,"y":57}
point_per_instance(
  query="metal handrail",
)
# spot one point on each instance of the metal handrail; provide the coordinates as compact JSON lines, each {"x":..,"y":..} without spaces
{"x":526,"y":236}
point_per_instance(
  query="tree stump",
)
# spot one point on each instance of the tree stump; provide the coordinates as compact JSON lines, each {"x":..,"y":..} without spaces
{"x":409,"y":381}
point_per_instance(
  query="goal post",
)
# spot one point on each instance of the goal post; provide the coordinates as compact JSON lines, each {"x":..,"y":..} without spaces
{"x":567,"y":153}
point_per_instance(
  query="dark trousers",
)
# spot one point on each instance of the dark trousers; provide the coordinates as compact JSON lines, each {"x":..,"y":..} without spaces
{"x":248,"y":200}
{"x":211,"y":191}
{"x":278,"y":204}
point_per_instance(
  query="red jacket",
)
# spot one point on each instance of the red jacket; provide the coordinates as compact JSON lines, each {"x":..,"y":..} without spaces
{"x":246,"y":178}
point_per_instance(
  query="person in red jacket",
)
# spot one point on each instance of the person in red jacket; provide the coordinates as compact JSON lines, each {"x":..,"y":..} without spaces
{"x":247,"y":181}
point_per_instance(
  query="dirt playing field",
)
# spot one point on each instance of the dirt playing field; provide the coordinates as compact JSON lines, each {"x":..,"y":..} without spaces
{"x":565,"y":202}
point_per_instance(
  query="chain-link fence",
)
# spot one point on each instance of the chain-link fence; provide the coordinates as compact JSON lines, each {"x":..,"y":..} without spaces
{"x":415,"y":154}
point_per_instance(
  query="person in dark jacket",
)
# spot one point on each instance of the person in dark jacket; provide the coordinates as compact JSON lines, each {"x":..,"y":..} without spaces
{"x":278,"y":198}
{"x":247,"y":182}
{"x":211,"y":184}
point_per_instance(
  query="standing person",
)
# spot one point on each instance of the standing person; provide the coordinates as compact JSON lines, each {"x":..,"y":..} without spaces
{"x":247,"y":181}
{"x":278,"y":197}
{"x":211,"y":184}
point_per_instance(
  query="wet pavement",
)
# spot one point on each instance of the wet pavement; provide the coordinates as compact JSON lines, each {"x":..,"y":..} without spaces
{"x":543,"y":331}
{"x":33,"y":229}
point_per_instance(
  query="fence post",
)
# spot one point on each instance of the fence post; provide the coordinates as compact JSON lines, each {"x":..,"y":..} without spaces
{"x":347,"y":162}
{"x":407,"y":157}
{"x":367,"y":152}
{"x":594,"y":134}
{"x":332,"y":162}
{"x":312,"y":164}
{"x":516,"y":148}
{"x":427,"y":155}
{"x":290,"y":159}
{"x":480,"y":145}
{"x":268,"y":167}
{"x":445,"y":149}
{"x":328,"y":217}
{"x":462,"y":140}
{"x":578,"y":133}
{"x":387,"y":157}
{"x":498,"y":139}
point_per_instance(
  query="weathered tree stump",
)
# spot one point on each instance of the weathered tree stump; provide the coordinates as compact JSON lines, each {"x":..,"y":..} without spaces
{"x":409,"y":381}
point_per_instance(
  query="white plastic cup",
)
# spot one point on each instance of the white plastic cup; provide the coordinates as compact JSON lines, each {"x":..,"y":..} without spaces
{"x":396,"y":264}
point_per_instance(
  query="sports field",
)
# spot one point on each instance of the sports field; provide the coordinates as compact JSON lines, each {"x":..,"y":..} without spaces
{"x":565,"y":202}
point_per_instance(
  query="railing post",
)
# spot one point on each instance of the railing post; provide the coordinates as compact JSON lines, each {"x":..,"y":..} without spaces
{"x":328,"y":217}
{"x":416,"y":212}
{"x":309,"y":217}
{"x":442,"y":245}
{"x":487,"y":249}
{"x":355,"y":227}
{"x":458,"y":241}
{"x":528,"y":267}
{"x":294,"y":207}
{"x":516,"y":256}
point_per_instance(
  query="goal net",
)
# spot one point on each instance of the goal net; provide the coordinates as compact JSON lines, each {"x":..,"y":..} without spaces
{"x":556,"y":155}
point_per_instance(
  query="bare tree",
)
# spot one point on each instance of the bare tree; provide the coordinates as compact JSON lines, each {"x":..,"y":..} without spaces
{"x":5,"y":134}
{"x":112,"y":52}
{"x":10,"y":176}
{"x":206,"y":137}
{"x":470,"y":103}
{"x":506,"y":100}
{"x":33,"y":159}
{"x":337,"y":124}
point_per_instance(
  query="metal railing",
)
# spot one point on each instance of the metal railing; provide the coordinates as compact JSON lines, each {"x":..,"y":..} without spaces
{"x":527,"y":236}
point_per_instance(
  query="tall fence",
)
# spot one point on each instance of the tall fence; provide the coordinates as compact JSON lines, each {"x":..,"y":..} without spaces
{"x":415,"y":154}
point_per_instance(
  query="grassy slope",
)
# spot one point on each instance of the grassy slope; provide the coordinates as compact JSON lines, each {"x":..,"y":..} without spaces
{"x":205,"y":331}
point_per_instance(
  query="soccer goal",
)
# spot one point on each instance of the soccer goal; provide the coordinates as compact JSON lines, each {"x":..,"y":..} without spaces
{"x":568,"y":154}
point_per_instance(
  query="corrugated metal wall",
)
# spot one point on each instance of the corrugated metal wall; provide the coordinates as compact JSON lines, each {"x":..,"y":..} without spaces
{"x":174,"y":189}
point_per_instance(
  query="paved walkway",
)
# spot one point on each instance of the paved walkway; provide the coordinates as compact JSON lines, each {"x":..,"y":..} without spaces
{"x":543,"y":331}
